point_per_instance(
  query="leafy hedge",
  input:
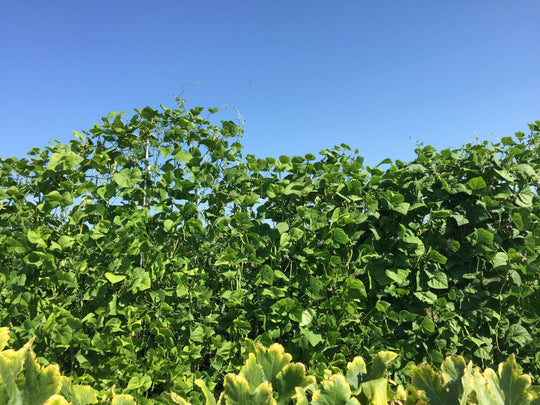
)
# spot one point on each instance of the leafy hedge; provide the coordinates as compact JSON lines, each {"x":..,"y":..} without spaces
{"x":143,"y":252}
{"x":269,"y":377}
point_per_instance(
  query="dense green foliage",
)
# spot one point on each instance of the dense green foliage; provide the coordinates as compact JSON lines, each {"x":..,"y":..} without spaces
{"x":145,"y":250}
{"x":269,"y":377}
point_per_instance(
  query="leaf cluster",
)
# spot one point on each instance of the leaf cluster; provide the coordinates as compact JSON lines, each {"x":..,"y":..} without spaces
{"x":143,"y":252}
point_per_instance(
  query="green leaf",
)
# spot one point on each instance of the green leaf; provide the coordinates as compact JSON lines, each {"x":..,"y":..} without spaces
{"x":427,"y":326}
{"x":282,"y":227}
{"x":477,"y":183}
{"x":340,"y":236}
{"x":356,"y":289}
{"x":440,"y":213}
{"x":4,"y":337}
{"x":439,"y":281}
{"x":313,"y":338}
{"x":382,"y":306}
{"x":168,"y":225}
{"x":210,"y":400}
{"x":500,"y":260}
{"x":517,"y":220}
{"x":165,"y":151}
{"x":437,"y":257}
{"x":335,"y":391}
{"x":114,"y":278}
{"x":292,"y":376}
{"x":183,"y":156}
{"x":123,"y":399}
{"x":429,"y":382}
{"x":66,"y":241}
{"x":139,"y":381}
{"x":483,"y":240}
{"x":39,"y":383}
{"x":267,"y":274}
{"x":307,"y":318}
{"x":519,"y":334}
{"x":34,"y":237}
{"x":272,"y":361}
{"x":64,"y":160}
{"x":525,"y":171}
{"x":356,"y":372}
{"x":252,"y":372}
{"x":524,"y":199}
{"x":128,"y":177}
{"x":513,"y":386}
{"x":236,"y":392}
{"x":397,"y":275}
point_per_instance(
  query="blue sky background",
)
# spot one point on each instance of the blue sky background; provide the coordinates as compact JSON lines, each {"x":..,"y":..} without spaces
{"x":305,"y":75}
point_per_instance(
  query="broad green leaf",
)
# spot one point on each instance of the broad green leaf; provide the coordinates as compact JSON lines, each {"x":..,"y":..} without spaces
{"x":139,"y":381}
{"x":141,"y":280}
{"x":210,"y":400}
{"x":282,"y":227}
{"x":513,"y":386}
{"x":401,"y":208}
{"x":525,"y":171}
{"x":168,"y":225}
{"x":335,"y":391}
{"x":65,"y":160}
{"x":376,"y":391}
{"x":428,"y":326}
{"x":411,"y":241}
{"x":518,"y":334}
{"x":291,"y":377}
{"x":252,"y":372}
{"x":483,"y":239}
{"x":517,"y":220}
{"x":11,"y":364}
{"x":128,"y":177}
{"x":379,"y":364}
{"x":356,"y":372}
{"x":165,"y":151}
{"x":437,"y":257}
{"x":39,"y":383}
{"x":430,"y":386}
{"x":397,"y":275}
{"x":441,"y":213}
{"x":183,"y":156}
{"x":313,"y":338}
{"x":197,"y":334}
{"x":123,"y":399}
{"x":34,"y":237}
{"x":524,"y":199}
{"x":272,"y":361}
{"x":114,"y":278}
{"x":486,"y":387}
{"x":355,"y":289}
{"x":307,"y":318}
{"x":300,"y":396}
{"x":236,"y":392}
{"x":477,"y":183}
{"x":267,"y":274}
{"x":452,"y":373}
{"x":66,"y":241}
{"x":500,"y":260}
{"x":426,"y":296}
{"x":438,"y":281}
{"x":382,"y":306}
{"x":340,"y":236}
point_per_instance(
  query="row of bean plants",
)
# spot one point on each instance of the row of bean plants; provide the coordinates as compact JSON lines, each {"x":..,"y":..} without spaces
{"x":145,"y":250}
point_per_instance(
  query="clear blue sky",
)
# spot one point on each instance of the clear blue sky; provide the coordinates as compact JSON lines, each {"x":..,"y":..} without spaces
{"x":305,"y":75}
